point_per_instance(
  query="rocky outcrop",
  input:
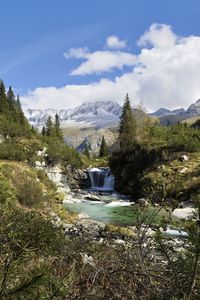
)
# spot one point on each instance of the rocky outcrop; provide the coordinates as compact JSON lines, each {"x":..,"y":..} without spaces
{"x":55,"y":174}
{"x":77,"y":178}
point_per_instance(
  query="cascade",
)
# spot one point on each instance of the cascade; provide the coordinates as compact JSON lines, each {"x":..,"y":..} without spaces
{"x":101,"y":179}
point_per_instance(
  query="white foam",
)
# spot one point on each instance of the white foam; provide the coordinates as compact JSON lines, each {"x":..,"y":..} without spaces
{"x":119,"y":203}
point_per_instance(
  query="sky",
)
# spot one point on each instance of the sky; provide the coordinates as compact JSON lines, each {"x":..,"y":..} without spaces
{"x":60,"y":53}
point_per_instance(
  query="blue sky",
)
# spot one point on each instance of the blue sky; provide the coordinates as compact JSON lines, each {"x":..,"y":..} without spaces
{"x":36,"y":34}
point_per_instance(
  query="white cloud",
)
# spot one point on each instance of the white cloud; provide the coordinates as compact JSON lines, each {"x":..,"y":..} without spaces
{"x":77,"y":53}
{"x":164,"y":73}
{"x":113,"y":42}
{"x":158,"y":35}
{"x":99,"y":61}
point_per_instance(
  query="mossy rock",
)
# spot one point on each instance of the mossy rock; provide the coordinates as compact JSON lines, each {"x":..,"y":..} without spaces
{"x":125,"y":231}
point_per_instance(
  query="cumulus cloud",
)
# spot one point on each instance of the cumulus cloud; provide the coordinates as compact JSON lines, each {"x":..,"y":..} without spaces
{"x":164,"y":73}
{"x":99,"y":61}
{"x":113,"y":42}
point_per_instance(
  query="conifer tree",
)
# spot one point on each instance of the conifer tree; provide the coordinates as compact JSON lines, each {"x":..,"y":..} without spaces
{"x":50,"y":127}
{"x":18,"y":103}
{"x":58,"y":131}
{"x":103,"y":148}
{"x":11,"y":100}
{"x":43,"y":131}
{"x":3,"y":99}
{"x":127,"y":127}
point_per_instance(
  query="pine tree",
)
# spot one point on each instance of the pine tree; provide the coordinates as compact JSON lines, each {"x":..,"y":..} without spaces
{"x":50,"y":127}
{"x":11,"y":100}
{"x":43,"y":131}
{"x":103,"y":148}
{"x":18,"y":103}
{"x":3,"y":99}
{"x":127,"y":127}
{"x":58,"y":131}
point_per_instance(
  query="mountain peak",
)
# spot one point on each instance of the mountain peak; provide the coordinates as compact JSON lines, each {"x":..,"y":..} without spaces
{"x":95,"y":114}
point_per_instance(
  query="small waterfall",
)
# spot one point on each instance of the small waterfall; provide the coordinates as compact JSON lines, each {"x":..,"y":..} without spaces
{"x":101,"y":179}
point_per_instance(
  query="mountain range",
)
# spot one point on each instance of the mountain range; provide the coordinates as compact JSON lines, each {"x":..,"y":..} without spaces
{"x":102,"y":114}
{"x":98,"y":114}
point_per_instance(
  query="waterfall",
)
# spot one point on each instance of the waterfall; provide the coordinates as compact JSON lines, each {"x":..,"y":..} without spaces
{"x":101,"y":179}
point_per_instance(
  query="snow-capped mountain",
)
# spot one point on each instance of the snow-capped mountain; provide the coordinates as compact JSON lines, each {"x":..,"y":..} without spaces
{"x":101,"y":114}
{"x":193,"y":109}
{"x":89,"y":114}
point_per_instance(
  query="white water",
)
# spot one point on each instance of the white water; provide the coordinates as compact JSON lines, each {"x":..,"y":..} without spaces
{"x":119,"y":203}
{"x":101,"y":180}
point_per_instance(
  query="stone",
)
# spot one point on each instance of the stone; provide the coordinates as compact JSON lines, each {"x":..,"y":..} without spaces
{"x":87,"y":259}
{"x":183,"y":171}
{"x":184,"y":158}
{"x":143,"y":202}
{"x":92,"y":197}
{"x":83,"y":216}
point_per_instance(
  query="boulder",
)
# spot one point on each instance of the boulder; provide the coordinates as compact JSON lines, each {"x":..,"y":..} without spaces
{"x":92,"y":197}
{"x":184,"y":158}
{"x":143,"y":202}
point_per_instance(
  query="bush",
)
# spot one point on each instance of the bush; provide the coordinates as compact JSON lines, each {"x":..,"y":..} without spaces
{"x":58,"y":152}
{"x":12,"y":151}
{"x":28,"y":191}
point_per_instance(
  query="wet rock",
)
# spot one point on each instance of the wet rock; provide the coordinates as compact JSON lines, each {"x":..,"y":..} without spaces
{"x":83,"y":216}
{"x":92,"y":197}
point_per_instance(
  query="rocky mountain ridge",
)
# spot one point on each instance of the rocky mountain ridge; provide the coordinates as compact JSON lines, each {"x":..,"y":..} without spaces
{"x":89,"y":114}
{"x":193,"y":109}
{"x":99,"y":114}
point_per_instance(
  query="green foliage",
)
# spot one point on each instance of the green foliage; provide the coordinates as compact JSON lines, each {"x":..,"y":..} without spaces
{"x":58,"y":152}
{"x":12,"y":151}
{"x":52,"y":129}
{"x":177,"y":137}
{"x":6,"y":191}
{"x":29,"y":191}
{"x":127,"y":127}
{"x":12,"y":120}
{"x":103,"y":148}
{"x":20,"y":149}
{"x":196,"y":124}
{"x":164,"y":144}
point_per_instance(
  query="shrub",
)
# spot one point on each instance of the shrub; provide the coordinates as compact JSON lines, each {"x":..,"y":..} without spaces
{"x":28,"y":191}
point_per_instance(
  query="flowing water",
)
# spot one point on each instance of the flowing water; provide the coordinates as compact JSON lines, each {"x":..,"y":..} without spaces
{"x":108,"y":207}
{"x":111,"y":209}
{"x":117,"y":212}
{"x":101,"y":179}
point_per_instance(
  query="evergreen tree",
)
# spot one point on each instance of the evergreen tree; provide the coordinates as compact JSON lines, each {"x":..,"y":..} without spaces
{"x":103,"y":148}
{"x":11,"y":100}
{"x":18,"y":103}
{"x":127,"y":127}
{"x":3,"y":99}
{"x":50,"y":127}
{"x":58,"y":131}
{"x":43,"y":131}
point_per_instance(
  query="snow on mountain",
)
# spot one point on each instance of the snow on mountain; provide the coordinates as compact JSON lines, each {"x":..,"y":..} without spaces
{"x":194,"y":108}
{"x":89,"y":114}
{"x":161,"y":112}
{"x":99,"y":114}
